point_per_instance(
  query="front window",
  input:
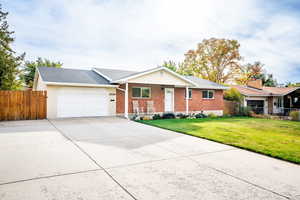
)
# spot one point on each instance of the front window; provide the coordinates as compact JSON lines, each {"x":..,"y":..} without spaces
{"x":207,"y":94}
{"x":190,"y":93}
{"x":141,"y":92}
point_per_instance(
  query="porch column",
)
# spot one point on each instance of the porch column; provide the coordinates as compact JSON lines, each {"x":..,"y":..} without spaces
{"x":187,"y":100}
{"x":126,"y":101}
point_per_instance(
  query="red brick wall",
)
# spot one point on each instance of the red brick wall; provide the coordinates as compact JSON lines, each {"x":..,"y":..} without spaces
{"x":157,"y":96}
{"x":197,"y":103}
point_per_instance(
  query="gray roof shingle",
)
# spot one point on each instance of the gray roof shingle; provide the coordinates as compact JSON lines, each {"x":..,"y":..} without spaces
{"x":206,"y":84}
{"x":64,"y":75}
{"x":115,"y":74}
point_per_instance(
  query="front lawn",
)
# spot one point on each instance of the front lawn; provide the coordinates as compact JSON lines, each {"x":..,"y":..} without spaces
{"x":276,"y":138}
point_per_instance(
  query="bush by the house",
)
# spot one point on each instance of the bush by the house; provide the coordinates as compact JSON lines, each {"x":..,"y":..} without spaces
{"x":295,"y":115}
{"x":233,"y":95}
{"x":168,"y":116}
{"x":156,"y":116}
{"x":244,"y":111}
{"x":212,"y":115}
{"x":182,"y":116}
{"x":200,"y":115}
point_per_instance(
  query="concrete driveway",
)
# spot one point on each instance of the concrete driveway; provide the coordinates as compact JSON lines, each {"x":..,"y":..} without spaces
{"x":113,"y":158}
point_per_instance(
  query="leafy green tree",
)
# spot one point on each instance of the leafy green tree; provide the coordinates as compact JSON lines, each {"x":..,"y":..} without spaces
{"x":9,"y":62}
{"x":214,"y":59}
{"x":290,"y":84}
{"x":171,"y":65}
{"x":233,"y":95}
{"x":253,"y":72}
{"x":267,"y":79}
{"x":30,"y":68}
{"x":249,"y":72}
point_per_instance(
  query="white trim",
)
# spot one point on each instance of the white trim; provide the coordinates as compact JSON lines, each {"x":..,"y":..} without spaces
{"x":37,"y":75}
{"x":80,"y":84}
{"x":154,"y":70}
{"x":120,"y":89}
{"x":101,"y":74}
{"x":173,"y":100}
{"x":187,"y":100}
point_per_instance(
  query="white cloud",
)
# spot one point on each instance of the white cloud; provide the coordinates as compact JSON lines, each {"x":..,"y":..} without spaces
{"x":137,"y":34}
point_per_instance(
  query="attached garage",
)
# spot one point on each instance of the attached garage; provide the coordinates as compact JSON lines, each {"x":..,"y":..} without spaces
{"x":257,"y":106}
{"x":76,"y":93}
{"x":78,"y":102}
{"x":66,"y":101}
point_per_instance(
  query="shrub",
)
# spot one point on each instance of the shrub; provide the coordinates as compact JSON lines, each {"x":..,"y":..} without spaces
{"x":182,"y":116}
{"x":134,"y":117}
{"x":295,"y":115}
{"x":211,"y":115}
{"x":226,"y":115}
{"x":156,"y":116}
{"x":252,"y":114}
{"x":200,"y":115}
{"x":147,"y":118}
{"x":233,"y":95}
{"x":244,"y":111}
{"x":168,"y":116}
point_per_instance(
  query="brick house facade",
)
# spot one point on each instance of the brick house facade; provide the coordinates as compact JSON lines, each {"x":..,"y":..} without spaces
{"x":196,"y":104}
{"x":110,"y":92}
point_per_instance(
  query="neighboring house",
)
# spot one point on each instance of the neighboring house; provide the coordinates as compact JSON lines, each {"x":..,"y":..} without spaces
{"x":270,"y":100}
{"x":109,"y":92}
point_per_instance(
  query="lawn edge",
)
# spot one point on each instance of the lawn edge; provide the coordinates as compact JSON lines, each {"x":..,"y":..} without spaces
{"x":237,"y":146}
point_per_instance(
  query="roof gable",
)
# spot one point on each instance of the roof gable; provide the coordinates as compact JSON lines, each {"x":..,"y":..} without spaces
{"x":159,"y":77}
{"x":113,"y":74}
{"x":150,"y":72}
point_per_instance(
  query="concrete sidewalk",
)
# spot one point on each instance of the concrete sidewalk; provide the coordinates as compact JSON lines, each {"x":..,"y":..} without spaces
{"x":113,"y":158}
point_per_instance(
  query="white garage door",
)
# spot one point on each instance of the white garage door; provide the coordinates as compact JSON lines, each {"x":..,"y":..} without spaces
{"x":82,"y":102}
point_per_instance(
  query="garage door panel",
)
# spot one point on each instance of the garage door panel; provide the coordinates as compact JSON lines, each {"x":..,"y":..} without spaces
{"x":257,"y":106}
{"x":82,"y":102}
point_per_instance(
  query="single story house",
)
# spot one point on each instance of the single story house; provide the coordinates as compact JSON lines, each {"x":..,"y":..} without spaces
{"x":110,"y":92}
{"x":270,"y":100}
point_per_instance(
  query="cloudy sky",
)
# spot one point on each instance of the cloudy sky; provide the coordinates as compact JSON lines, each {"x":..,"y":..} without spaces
{"x":140,"y":34}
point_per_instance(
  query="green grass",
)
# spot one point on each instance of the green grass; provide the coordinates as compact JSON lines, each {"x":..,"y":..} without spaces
{"x":276,"y":138}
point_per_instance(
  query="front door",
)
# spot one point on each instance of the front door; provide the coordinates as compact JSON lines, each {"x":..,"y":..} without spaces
{"x":169,"y":99}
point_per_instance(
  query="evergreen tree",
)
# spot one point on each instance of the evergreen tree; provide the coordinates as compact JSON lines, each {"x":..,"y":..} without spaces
{"x":9,"y":62}
{"x":30,"y":68}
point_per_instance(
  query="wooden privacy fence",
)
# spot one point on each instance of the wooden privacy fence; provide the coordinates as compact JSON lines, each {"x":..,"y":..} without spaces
{"x":23,"y":105}
{"x":230,"y":107}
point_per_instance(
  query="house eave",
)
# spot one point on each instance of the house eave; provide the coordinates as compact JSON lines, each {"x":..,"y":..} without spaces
{"x":79,"y":84}
{"x":124,"y":80}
